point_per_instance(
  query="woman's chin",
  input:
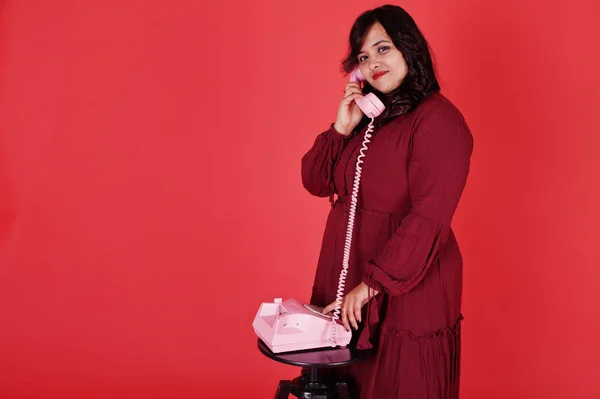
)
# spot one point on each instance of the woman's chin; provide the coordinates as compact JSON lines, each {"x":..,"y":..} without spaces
{"x":384,"y":89}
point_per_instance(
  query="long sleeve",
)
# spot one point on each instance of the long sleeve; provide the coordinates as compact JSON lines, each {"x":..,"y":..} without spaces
{"x":438,"y":168}
{"x":319,"y":162}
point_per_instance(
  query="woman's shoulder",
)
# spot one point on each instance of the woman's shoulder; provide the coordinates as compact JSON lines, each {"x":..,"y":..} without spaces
{"x":437,"y":105}
{"x":434,"y":112}
{"x":437,"y":109}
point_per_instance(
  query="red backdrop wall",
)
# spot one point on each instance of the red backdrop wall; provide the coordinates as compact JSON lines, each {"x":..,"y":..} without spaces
{"x":150,"y":193}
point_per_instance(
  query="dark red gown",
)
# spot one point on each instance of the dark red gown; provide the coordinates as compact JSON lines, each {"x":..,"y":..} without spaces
{"x":413,"y":176}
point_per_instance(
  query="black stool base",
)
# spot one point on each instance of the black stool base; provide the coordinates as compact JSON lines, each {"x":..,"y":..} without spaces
{"x":302,"y":388}
{"x":312,"y":384}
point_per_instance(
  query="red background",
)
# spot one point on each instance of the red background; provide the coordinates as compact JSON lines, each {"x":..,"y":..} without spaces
{"x":150,"y":193}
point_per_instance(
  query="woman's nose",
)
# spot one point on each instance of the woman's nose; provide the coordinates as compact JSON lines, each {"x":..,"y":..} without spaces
{"x":374,"y":64}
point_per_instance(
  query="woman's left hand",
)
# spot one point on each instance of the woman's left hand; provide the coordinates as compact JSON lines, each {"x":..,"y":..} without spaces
{"x":352,"y":305}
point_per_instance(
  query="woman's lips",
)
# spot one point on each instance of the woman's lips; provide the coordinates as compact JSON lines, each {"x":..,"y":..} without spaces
{"x":378,"y":75}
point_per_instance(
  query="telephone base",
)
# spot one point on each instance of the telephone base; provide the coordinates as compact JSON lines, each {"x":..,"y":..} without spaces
{"x":291,"y":325}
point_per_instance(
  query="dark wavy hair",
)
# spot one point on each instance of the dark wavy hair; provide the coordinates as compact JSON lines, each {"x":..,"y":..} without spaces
{"x":420,"y":80}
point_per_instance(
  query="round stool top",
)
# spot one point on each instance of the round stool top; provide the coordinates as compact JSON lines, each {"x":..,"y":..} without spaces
{"x":322,"y":357}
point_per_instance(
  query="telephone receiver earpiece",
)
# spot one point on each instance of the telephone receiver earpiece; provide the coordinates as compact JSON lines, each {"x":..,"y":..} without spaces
{"x":370,"y":105}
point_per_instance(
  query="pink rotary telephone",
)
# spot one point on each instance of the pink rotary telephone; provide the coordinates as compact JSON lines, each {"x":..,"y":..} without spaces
{"x":291,"y":325}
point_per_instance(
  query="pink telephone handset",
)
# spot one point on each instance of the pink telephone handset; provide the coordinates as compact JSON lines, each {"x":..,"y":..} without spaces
{"x":370,"y":105}
{"x":291,"y":325}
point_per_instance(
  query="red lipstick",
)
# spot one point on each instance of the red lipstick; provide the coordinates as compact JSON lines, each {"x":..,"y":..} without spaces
{"x":379,"y":74}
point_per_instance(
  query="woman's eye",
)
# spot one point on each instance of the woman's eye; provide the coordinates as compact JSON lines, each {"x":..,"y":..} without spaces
{"x":381,"y":49}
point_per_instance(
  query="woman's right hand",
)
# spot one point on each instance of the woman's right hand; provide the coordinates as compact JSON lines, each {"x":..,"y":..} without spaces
{"x":349,"y":115}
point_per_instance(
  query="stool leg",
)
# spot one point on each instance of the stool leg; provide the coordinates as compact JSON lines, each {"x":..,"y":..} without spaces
{"x":342,"y":389}
{"x":283,"y":389}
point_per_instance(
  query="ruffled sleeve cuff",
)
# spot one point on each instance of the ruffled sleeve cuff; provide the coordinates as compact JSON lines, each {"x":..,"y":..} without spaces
{"x":337,"y":135}
{"x":407,"y":256}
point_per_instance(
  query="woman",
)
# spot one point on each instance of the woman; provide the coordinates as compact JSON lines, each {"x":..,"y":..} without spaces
{"x":404,"y":283}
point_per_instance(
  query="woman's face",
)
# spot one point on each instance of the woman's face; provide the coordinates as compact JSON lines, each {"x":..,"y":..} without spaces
{"x":380,"y":62}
